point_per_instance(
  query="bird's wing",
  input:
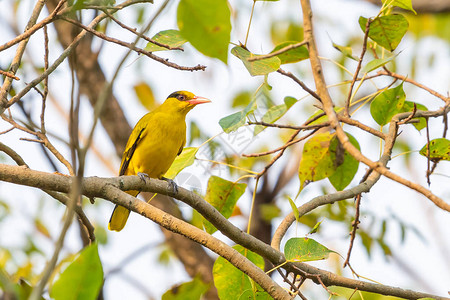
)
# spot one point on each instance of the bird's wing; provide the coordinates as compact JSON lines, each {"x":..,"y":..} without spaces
{"x":182,"y":146}
{"x":133,"y":141}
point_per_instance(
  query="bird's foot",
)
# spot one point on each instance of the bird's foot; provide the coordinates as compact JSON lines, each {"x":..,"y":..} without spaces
{"x":142,"y":176}
{"x":172,"y":185}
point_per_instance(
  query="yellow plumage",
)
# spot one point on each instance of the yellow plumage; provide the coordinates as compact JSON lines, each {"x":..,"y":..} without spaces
{"x":154,"y":143}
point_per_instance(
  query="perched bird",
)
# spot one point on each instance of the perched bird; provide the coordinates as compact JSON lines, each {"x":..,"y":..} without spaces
{"x":154,"y":143}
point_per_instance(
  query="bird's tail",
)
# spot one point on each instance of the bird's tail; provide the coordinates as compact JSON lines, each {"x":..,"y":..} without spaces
{"x":120,"y":215}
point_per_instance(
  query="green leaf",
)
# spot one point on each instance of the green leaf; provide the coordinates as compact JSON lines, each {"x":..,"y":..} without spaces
{"x":305,"y":249}
{"x":345,"y":171}
{"x":275,"y":112}
{"x":387,"y":104}
{"x":234,"y":121}
{"x":82,"y":279}
{"x":439,"y":149}
{"x":409,"y":106}
{"x":346,"y":51}
{"x":223,"y":195}
{"x":387,"y":31}
{"x":405,"y":4}
{"x":206,"y":25}
{"x":257,"y":67}
{"x":171,"y":38}
{"x":284,"y":30}
{"x":294,"y":209}
{"x":191,"y":290}
{"x":292,"y":55}
{"x":315,"y":228}
{"x":230,"y":281}
{"x":255,"y":295}
{"x":269,"y":211}
{"x":376,"y":63}
{"x":184,"y":160}
{"x":145,"y":95}
{"x":324,"y":118}
{"x":316,"y":162}
{"x":242,"y":99}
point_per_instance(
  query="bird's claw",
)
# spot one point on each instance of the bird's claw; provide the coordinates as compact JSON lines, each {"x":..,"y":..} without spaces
{"x":142,"y":176}
{"x":172,"y":185}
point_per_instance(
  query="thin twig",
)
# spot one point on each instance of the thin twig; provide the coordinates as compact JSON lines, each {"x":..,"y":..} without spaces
{"x":283,"y":126}
{"x":32,"y":140}
{"x":30,"y":31}
{"x":7,"y":74}
{"x":358,"y":67}
{"x":428,"y":152}
{"x":278,"y":52}
{"x":42,"y":137}
{"x":64,"y":54}
{"x":21,"y":49}
{"x":133,"y":47}
{"x":44,"y":96}
{"x":299,"y":82}
{"x":386,"y":72}
{"x":291,"y":139}
{"x":355,"y":224}
{"x":168,"y":47}
{"x":286,"y":279}
{"x":281,"y":148}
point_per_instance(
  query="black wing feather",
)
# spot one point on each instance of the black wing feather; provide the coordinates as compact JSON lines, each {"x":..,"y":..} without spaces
{"x":129,"y":154}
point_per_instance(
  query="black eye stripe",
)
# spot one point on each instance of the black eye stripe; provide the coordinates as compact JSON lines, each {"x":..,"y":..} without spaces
{"x":177,"y":95}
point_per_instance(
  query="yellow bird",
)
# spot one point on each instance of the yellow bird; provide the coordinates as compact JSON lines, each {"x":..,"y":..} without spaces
{"x":154,"y":143}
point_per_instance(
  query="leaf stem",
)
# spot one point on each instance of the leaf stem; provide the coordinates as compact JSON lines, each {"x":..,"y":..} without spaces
{"x":249,"y":23}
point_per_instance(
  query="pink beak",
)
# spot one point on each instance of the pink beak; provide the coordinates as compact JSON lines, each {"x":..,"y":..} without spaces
{"x":198,"y":100}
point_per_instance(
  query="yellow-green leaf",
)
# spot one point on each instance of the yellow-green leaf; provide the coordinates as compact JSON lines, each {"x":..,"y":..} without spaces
{"x":234,"y":121}
{"x":376,"y":63}
{"x":409,"y":106}
{"x":184,"y":160}
{"x":275,"y":112}
{"x":171,"y":38}
{"x":439,"y":149}
{"x":316,"y":162}
{"x":292,"y":55}
{"x":230,"y":281}
{"x":251,"y":294}
{"x":82,"y":279}
{"x":206,"y":25}
{"x":387,"y":104}
{"x":145,"y":95}
{"x":193,"y":289}
{"x":387,"y":31}
{"x":348,"y":166}
{"x":305,"y":249}
{"x":346,"y":51}
{"x":257,"y":67}
{"x":405,"y":4}
{"x":223,"y":195}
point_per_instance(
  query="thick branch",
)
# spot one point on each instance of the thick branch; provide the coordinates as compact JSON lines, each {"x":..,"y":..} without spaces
{"x":109,"y":189}
{"x":103,"y":187}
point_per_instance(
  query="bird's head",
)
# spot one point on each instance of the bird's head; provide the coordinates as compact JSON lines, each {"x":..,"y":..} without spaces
{"x":184,"y":100}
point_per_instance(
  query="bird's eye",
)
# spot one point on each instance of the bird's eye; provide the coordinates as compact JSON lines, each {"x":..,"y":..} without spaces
{"x":181,"y":97}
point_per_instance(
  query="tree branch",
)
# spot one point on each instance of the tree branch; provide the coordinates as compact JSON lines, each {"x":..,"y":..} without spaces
{"x":109,"y":188}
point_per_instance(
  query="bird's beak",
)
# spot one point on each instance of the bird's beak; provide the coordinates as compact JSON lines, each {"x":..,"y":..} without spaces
{"x":198,"y":100}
